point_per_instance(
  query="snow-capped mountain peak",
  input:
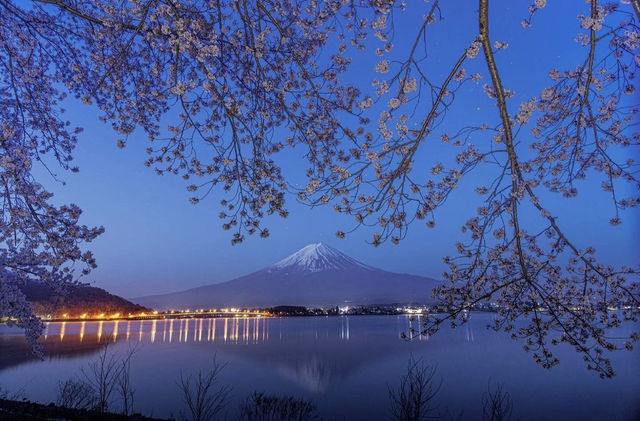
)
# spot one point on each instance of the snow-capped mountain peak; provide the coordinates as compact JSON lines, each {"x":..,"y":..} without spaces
{"x":315,"y":258}
{"x":316,"y":275}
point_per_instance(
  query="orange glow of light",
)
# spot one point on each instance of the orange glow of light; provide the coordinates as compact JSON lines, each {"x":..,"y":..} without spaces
{"x":195,"y":332}
{"x":115,"y":316}
{"x":101,"y":315}
{"x":236,"y":330}
{"x":84,"y":316}
{"x":213,"y":330}
{"x":140,"y":331}
{"x":65,"y":315}
{"x":164,"y":332}
{"x":155,"y":312}
{"x":115,"y":330}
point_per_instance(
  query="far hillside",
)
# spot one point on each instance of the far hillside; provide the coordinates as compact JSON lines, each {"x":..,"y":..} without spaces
{"x":77,"y":300}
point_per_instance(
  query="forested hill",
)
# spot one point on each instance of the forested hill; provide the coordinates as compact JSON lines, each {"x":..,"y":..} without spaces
{"x":77,"y":300}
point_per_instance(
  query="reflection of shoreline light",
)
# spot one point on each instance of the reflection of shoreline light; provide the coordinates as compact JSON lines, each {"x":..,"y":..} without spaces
{"x":237,"y":327}
{"x":164,"y":331}
{"x":235,"y":330}
{"x":344,"y":327}
{"x":195,"y":330}
{"x":213,"y":329}
{"x":255,"y":329}
{"x":421,"y":336}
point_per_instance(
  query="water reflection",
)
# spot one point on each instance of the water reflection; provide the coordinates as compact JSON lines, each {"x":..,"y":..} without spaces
{"x":236,"y":330}
{"x":314,"y":366}
{"x":342,"y":363}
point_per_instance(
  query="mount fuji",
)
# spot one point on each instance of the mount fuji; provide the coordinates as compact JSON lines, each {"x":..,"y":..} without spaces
{"x":316,"y":275}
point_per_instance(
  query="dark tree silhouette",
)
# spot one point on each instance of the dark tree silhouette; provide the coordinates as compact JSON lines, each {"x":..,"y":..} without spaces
{"x":414,"y":398}
{"x":261,"y":407}
{"x":205,"y":398}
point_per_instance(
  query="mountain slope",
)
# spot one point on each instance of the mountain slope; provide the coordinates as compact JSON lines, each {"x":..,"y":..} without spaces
{"x":76,"y":301}
{"x":316,"y":275}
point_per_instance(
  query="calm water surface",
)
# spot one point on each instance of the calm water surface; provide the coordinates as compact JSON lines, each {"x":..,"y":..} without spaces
{"x":345,"y":365}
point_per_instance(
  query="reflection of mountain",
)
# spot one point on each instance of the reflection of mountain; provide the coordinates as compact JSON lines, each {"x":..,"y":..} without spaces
{"x":317,"y":365}
{"x":316,"y":275}
{"x":316,"y":360}
{"x":313,"y":374}
{"x":16,"y":350}
{"x":62,"y":340}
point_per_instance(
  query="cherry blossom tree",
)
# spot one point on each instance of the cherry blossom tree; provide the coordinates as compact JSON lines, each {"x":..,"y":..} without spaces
{"x":221,"y":86}
{"x":38,"y":240}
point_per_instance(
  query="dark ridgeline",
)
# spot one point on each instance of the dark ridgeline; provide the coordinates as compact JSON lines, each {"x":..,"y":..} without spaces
{"x":316,"y":275}
{"x":76,"y":300}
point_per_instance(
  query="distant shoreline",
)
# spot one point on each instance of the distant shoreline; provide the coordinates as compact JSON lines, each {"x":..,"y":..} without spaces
{"x":178,"y":316}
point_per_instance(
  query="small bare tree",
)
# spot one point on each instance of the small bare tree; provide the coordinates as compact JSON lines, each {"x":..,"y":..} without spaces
{"x":496,"y":404}
{"x":76,"y":394}
{"x":413,"y":399}
{"x":261,"y":407}
{"x":12,"y":396}
{"x":204,"y":398}
{"x":102,"y":375}
{"x":124,"y":387}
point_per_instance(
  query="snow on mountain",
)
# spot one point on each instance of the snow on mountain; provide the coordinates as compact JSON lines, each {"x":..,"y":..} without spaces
{"x":317,"y":257}
{"x":316,"y":275}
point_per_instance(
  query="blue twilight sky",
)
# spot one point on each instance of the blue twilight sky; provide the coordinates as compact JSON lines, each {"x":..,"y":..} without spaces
{"x":155,"y":241}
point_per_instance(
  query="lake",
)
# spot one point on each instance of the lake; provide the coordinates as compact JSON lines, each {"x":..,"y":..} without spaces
{"x":345,"y":365}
